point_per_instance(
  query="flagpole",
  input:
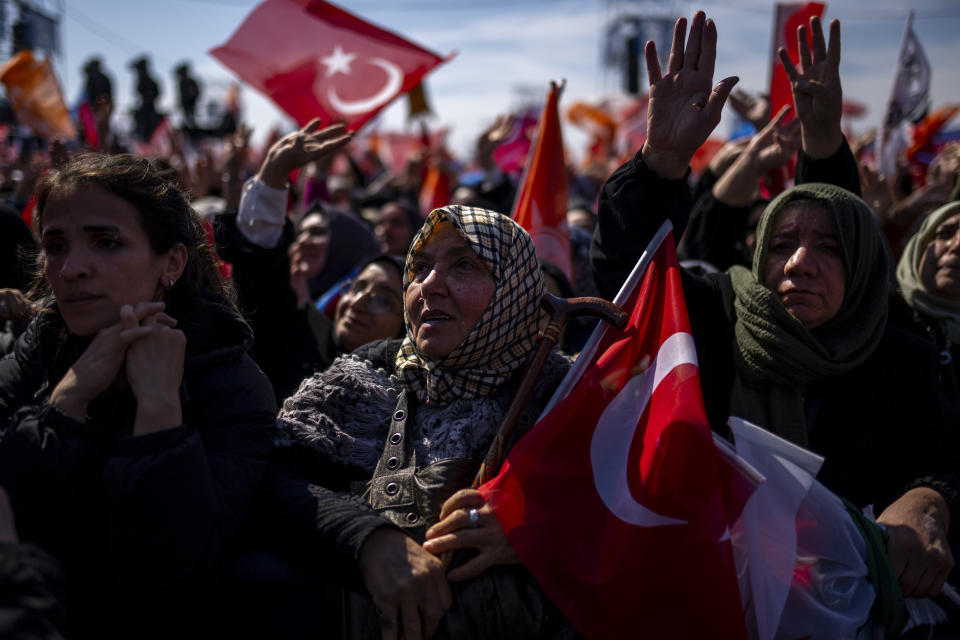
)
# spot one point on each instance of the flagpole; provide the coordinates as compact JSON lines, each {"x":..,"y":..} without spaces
{"x":593,"y":342}
{"x":896,"y":74}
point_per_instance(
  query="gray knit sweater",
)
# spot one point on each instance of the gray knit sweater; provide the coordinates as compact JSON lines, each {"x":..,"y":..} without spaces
{"x":344,"y":413}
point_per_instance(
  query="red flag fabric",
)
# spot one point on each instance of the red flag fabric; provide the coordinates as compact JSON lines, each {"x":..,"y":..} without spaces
{"x":613,"y":499}
{"x":786,"y":18}
{"x":541,"y":204}
{"x":314,"y":59}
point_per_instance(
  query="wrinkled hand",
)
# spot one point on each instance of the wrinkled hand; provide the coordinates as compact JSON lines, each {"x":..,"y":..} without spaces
{"x":918,"y":548}
{"x":404,"y":582}
{"x":876,"y":191}
{"x":755,"y":110}
{"x":294,"y":150}
{"x":817,"y":94}
{"x":727,"y":155}
{"x":154,"y":367}
{"x":16,"y":306}
{"x":774,"y":145}
{"x":453,"y":532}
{"x":98,"y":366}
{"x":683,"y":110}
{"x":8,"y":528}
{"x":767,"y":150}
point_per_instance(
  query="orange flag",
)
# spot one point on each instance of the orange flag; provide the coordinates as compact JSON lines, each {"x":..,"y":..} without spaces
{"x":435,"y":190}
{"x":541,"y":204}
{"x":34,"y":92}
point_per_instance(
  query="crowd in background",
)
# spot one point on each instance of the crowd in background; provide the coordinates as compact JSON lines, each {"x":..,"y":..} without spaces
{"x":312,"y":237}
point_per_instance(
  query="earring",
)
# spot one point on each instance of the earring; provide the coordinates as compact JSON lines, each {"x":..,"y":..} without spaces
{"x":171,"y":283}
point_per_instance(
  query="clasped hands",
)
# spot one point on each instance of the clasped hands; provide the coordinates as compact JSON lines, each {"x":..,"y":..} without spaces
{"x":408,"y":582}
{"x":145,"y":346}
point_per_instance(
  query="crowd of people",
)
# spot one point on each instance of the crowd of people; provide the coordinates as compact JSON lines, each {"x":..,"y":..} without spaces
{"x":245,"y":395}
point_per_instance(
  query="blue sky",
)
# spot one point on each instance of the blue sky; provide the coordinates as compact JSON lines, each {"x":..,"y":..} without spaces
{"x":507,"y":49}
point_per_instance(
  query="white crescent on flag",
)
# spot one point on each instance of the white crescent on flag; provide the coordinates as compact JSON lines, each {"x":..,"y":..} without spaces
{"x":390,"y":89}
{"x":614,"y":433}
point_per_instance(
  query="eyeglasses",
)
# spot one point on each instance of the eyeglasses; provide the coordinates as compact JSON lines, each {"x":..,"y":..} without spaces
{"x":377,"y":302}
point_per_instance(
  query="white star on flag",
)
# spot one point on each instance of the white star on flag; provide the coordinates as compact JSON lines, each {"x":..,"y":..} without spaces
{"x":338,"y":62}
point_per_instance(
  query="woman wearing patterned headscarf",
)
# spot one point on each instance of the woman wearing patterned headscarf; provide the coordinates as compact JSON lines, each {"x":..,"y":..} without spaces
{"x":929,"y":278}
{"x":406,"y":423}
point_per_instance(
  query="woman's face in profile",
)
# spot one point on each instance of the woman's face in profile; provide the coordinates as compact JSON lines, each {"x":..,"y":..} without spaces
{"x":804,"y":265}
{"x":450,"y":289}
{"x":97,"y":257}
{"x":940,"y":263}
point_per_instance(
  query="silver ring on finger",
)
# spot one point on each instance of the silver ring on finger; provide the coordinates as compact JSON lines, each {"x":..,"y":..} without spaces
{"x":474,"y":516}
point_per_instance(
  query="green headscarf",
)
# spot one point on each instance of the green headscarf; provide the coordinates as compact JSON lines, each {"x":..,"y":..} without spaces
{"x":776,"y":356}
{"x":934,"y":305}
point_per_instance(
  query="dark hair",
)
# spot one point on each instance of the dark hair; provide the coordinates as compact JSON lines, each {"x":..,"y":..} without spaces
{"x":164,"y":213}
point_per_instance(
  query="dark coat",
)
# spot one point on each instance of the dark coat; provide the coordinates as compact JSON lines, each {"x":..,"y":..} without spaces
{"x":311,"y":515}
{"x":882,"y":426}
{"x":143,"y":525}
{"x":290,"y":343}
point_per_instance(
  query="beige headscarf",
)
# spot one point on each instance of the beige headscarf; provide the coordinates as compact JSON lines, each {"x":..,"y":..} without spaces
{"x":941,"y":308}
{"x":506,"y":332}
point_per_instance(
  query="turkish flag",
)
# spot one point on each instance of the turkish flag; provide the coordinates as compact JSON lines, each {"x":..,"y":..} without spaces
{"x":541,"y":204}
{"x":314,"y":59}
{"x":786,"y":18}
{"x":614,"y":500}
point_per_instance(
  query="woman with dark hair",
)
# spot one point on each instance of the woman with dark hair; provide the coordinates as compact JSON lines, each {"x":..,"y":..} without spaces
{"x":135,"y":427}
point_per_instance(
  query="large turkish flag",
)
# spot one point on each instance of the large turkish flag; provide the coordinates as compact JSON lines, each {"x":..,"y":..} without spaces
{"x":614,"y":499}
{"x":314,"y":59}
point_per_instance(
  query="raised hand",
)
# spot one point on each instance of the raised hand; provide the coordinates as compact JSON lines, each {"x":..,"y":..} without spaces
{"x":683,"y":109}
{"x":817,"y":94}
{"x":775,"y":143}
{"x":406,"y":583}
{"x":755,"y":110}
{"x":309,"y":144}
{"x":768,"y":149}
{"x":98,"y":366}
{"x":455,"y":530}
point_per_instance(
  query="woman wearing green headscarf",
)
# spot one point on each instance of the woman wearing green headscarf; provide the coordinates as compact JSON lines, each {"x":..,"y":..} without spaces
{"x":800,"y":344}
{"x":929,"y":278}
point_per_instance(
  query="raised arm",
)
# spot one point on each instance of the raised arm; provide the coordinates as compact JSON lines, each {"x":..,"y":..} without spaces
{"x":684,"y":108}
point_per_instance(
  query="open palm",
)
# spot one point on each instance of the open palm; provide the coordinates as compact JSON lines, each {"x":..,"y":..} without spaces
{"x":817,"y":93}
{"x":684,"y":106}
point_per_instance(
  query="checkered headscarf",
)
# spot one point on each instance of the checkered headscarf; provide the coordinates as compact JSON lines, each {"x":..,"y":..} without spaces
{"x":507,"y":330}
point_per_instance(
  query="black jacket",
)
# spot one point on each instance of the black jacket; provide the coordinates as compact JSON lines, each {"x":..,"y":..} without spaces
{"x":143,"y":525}
{"x":290,"y":343}
{"x":882,"y":427}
